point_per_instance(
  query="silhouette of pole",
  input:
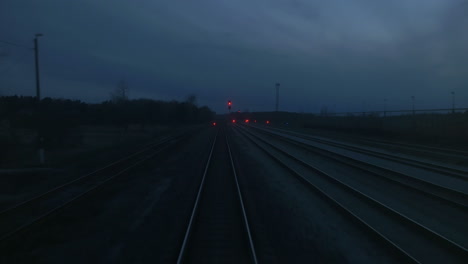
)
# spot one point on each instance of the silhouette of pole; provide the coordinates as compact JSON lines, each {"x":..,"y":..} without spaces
{"x":36,"y":56}
{"x":277,"y":96}
{"x":40,"y":152}
{"x":412,"y":98}
{"x":453,"y":102}
{"x":385,"y":108}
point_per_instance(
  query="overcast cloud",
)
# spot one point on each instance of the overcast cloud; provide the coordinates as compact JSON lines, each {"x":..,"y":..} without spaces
{"x":348,"y":55}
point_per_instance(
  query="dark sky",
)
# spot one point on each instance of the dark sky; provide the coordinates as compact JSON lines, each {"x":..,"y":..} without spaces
{"x":347,"y":55}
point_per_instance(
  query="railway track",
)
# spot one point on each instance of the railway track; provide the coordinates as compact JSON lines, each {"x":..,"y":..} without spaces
{"x":406,"y":237}
{"x":218,"y":229}
{"x":22,"y":216}
{"x":444,"y":152}
{"x":445,"y":194}
{"x":451,"y":153}
{"x":434,"y":167}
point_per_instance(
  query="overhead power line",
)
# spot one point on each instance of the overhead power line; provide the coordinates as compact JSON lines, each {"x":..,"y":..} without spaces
{"x":14,"y":44}
{"x":15,"y":64}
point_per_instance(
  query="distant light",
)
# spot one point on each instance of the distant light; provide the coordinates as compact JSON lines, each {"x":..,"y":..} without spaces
{"x":233,"y":120}
{"x":246,"y":120}
{"x":268,"y":121}
{"x":214,"y":123}
{"x":255,"y":121}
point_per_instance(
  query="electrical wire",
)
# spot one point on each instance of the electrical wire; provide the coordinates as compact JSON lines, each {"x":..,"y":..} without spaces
{"x":14,"y":44}
{"x":15,"y":64}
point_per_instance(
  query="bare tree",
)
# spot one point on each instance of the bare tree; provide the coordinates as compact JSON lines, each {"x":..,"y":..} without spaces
{"x":120,"y":94}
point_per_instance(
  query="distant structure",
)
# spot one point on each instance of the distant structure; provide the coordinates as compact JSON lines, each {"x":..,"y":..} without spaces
{"x":36,"y":59}
{"x":453,"y":102}
{"x":120,"y":94}
{"x":385,"y":107}
{"x":277,"y":97}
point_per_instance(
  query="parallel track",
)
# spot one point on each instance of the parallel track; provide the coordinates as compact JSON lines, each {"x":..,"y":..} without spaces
{"x":446,"y":152}
{"x":453,"y":172}
{"x":445,"y":194}
{"x":417,"y":236}
{"x":22,"y":216}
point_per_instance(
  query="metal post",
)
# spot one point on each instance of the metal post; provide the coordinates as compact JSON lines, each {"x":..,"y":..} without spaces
{"x":277,"y":96}
{"x":385,"y":108}
{"x":363,"y":108}
{"x":453,"y":102}
{"x":36,"y":56}
{"x":40,"y":152}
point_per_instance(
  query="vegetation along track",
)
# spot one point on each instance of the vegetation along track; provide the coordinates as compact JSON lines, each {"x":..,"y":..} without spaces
{"x":412,"y":240}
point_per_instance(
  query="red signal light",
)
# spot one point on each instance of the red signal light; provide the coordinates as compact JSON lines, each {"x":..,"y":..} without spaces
{"x":246,"y":120}
{"x":268,"y":121}
{"x":229,"y":103}
{"x":233,"y":120}
{"x":214,"y":123}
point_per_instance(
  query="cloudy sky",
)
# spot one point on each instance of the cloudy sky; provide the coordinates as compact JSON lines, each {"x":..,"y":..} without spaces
{"x":349,"y":55}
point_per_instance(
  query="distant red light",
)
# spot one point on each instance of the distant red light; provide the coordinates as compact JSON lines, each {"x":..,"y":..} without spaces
{"x":255,"y":121}
{"x":214,"y":123}
{"x":233,"y":120}
{"x":246,"y":120}
{"x":268,"y":122}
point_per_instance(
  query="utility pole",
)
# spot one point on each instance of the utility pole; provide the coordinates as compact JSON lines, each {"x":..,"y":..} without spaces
{"x":453,"y":102}
{"x":364,"y":108}
{"x":277,"y":97}
{"x":385,"y":107}
{"x":36,"y":56}
{"x":40,"y":152}
{"x":412,"y":98}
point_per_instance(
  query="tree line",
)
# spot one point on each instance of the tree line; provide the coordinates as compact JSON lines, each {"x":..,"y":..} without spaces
{"x":27,"y":112}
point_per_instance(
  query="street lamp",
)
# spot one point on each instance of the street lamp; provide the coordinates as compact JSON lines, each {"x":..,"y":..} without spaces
{"x":36,"y":56}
